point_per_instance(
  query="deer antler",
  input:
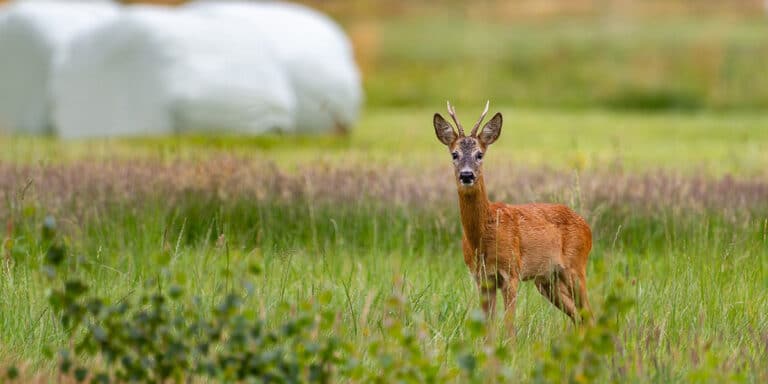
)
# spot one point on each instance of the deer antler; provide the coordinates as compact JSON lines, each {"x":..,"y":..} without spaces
{"x":452,"y":112}
{"x":477,"y":125}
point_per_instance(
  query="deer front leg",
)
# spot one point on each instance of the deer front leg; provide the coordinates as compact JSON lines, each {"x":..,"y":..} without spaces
{"x":509,"y":291}
{"x":487,"y":288}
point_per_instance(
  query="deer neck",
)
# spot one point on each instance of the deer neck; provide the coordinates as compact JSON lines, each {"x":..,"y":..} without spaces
{"x":474,"y":207}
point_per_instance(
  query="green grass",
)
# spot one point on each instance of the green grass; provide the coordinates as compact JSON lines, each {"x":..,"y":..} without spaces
{"x":708,"y":142}
{"x":699,"y":282}
{"x":699,"y":278}
{"x":656,"y":62}
{"x":698,"y":275}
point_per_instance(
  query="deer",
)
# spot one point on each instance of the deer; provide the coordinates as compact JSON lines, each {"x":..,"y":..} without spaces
{"x":504,"y":244}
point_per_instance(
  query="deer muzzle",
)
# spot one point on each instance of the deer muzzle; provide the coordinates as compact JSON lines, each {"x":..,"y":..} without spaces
{"x":467,"y":177}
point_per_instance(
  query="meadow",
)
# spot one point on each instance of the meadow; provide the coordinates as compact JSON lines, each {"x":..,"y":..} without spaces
{"x":679,"y":210}
{"x":652,"y":128}
{"x":649,"y":56}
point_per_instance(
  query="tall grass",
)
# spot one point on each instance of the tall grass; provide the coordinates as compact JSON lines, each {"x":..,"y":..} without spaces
{"x":693,"y":253}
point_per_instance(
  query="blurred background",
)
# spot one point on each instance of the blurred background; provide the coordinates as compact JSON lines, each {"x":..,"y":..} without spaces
{"x":643,"y":55}
{"x":628,"y":54}
{"x":623,"y":54}
{"x":649,"y":55}
{"x":584,"y":84}
{"x":581,"y":79}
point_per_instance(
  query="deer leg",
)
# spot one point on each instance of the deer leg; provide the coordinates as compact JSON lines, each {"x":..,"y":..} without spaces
{"x":583,"y":301}
{"x":509,"y":292}
{"x":544,"y":285}
{"x":566,"y":293}
{"x":573,"y":286}
{"x":558,"y":294}
{"x":487,"y":288}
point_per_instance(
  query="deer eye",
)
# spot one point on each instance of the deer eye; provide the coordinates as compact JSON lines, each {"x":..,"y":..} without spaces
{"x":455,"y":155}
{"x":479,"y":155}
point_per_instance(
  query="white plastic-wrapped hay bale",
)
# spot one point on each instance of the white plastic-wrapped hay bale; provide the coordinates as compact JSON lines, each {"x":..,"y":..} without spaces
{"x":314,"y":50}
{"x":156,"y":70}
{"x":34,"y":39}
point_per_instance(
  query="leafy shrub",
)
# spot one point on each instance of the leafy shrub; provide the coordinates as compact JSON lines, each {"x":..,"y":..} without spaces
{"x":583,"y":356}
{"x":159,"y":335}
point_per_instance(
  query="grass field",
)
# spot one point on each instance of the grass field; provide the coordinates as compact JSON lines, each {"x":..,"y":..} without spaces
{"x":706,"y":142}
{"x":646,"y":117}
{"x":616,"y":60}
{"x":678,"y":204}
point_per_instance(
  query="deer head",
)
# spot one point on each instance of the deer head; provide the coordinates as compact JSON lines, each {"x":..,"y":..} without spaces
{"x":467,"y":151}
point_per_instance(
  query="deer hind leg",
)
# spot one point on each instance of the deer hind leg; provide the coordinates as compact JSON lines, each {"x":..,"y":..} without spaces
{"x":573,"y":285}
{"x":583,"y":301}
{"x":567,"y":294}
{"x":559,"y":294}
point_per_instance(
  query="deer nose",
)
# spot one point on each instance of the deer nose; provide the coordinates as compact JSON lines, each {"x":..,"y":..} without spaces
{"x":466,"y":177}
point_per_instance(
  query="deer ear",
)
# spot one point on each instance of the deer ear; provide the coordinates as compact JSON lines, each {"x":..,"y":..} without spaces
{"x":444,"y":130}
{"x":491,"y":130}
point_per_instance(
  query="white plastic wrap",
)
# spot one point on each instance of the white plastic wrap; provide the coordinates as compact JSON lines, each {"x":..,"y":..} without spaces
{"x":34,"y":39}
{"x":157,"y":70}
{"x":314,"y":50}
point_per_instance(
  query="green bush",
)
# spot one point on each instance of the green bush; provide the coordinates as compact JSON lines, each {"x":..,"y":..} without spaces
{"x":158,"y":335}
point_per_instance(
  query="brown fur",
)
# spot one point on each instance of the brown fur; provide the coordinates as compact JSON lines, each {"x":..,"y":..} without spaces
{"x":504,"y":244}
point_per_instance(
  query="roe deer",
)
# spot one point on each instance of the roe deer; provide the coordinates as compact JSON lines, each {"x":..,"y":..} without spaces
{"x":503,"y":244}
